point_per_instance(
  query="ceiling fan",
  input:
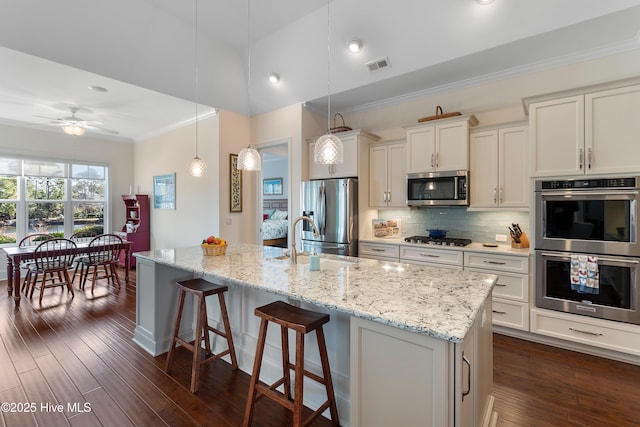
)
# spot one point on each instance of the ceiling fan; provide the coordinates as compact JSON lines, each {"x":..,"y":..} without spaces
{"x":74,"y":125}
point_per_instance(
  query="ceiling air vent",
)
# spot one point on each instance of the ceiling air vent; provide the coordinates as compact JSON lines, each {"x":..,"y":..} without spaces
{"x":378,"y":64}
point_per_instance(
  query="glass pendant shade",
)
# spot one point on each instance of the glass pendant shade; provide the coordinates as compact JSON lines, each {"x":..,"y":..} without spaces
{"x":249,"y":159}
{"x":329,"y":150}
{"x":73,"y":130}
{"x":197,"y":167}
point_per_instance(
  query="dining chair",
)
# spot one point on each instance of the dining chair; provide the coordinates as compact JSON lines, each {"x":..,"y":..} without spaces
{"x":81,"y":259}
{"x":52,"y":257}
{"x":32,"y":240}
{"x":104,"y":251}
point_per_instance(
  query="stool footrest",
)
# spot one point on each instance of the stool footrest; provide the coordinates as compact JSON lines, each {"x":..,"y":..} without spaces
{"x":266,"y":391}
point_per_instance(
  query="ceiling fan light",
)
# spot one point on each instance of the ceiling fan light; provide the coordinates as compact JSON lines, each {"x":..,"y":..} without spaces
{"x":197,"y":167}
{"x":484,"y":2}
{"x":329,"y":150}
{"x":74,"y":130}
{"x":249,"y":159}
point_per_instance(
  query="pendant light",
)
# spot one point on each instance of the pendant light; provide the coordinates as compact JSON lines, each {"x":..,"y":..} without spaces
{"x":329,"y":149}
{"x":197,"y":166}
{"x":248,"y":158}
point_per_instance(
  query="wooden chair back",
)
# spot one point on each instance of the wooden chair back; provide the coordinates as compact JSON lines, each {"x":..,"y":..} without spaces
{"x":83,"y":236}
{"x":110,"y":247}
{"x":54,"y":254}
{"x":34,"y":239}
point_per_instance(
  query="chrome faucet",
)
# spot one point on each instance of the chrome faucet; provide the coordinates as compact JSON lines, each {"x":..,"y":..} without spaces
{"x":294,"y":253}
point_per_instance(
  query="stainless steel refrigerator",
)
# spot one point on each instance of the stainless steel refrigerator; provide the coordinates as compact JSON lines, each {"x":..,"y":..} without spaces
{"x":333,"y":206}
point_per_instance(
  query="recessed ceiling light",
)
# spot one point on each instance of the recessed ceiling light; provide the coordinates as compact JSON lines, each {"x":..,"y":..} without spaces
{"x":98,"y":88}
{"x":274,"y":78}
{"x":484,"y":2}
{"x":354,"y":45}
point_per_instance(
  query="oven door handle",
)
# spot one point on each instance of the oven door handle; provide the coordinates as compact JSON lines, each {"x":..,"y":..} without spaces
{"x":581,"y":193}
{"x":567,"y":257}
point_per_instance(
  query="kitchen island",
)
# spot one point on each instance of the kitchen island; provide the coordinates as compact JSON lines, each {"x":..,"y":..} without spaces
{"x":408,"y":345}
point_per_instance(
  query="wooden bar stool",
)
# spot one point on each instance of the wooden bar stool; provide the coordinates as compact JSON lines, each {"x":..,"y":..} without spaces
{"x":302,"y":322}
{"x":201,"y":289}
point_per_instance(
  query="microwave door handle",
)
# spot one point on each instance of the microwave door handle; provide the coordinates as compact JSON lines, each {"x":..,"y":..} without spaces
{"x":455,"y":188}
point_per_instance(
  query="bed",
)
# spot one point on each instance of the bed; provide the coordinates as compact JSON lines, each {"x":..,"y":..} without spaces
{"x":275,"y":224}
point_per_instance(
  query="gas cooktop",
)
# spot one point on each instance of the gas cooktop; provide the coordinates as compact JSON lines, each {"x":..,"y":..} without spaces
{"x":447,"y":241}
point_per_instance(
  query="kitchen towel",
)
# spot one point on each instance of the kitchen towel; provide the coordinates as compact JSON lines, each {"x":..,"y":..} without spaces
{"x":585,"y":277}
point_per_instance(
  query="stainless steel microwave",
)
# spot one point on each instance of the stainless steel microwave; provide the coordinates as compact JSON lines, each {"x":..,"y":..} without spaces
{"x":438,"y":188}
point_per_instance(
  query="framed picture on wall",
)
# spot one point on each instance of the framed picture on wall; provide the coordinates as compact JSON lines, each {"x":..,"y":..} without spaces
{"x":235,"y":184}
{"x":164,"y":191}
{"x":272,"y":187}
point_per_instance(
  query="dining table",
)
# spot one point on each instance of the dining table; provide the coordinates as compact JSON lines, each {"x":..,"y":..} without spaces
{"x":17,"y":254}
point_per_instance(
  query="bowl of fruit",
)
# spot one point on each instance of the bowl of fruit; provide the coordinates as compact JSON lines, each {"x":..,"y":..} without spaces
{"x":213,"y":245}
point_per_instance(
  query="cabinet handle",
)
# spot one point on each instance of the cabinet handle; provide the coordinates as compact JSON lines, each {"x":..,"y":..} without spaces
{"x":581,"y":157}
{"x":388,"y":196}
{"x":589,"y":158}
{"x":499,"y":312}
{"x":437,"y":159}
{"x":500,"y":194}
{"x":466,"y":361}
{"x":495,"y":194}
{"x":384,"y":197}
{"x":432,"y":160}
{"x":501,"y":285}
{"x":377,"y":250}
{"x":430,"y":255}
{"x":595,"y":334}
{"x":494,"y":262}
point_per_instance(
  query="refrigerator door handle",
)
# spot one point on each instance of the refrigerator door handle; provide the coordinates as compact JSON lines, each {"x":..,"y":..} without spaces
{"x":322,"y":210}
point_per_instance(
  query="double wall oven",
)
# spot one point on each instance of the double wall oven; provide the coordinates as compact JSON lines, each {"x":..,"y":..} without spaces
{"x":588,"y":217}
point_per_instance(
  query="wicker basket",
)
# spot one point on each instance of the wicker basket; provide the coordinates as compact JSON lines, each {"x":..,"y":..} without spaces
{"x":336,"y":129}
{"x":213,"y":250}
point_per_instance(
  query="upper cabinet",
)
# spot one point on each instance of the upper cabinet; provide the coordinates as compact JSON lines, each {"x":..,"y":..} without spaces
{"x":353,"y":142}
{"x":591,"y":133}
{"x":500,"y":167}
{"x":387,"y":175}
{"x":441,"y":145}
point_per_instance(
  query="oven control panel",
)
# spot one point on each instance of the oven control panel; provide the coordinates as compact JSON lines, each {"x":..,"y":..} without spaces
{"x":588,"y":183}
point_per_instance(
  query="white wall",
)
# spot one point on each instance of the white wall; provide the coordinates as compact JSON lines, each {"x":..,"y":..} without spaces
{"x":54,"y":144}
{"x":197,"y":212}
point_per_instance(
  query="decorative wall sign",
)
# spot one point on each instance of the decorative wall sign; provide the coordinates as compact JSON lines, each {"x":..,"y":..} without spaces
{"x":235,"y":185}
{"x":164,"y":191}
{"x":272,"y":187}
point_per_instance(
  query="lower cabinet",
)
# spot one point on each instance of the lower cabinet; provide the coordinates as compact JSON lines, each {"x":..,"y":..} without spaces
{"x":616,"y":336}
{"x":511,"y":293}
{"x":379,"y":251}
{"x":434,"y":257}
{"x":427,"y":381}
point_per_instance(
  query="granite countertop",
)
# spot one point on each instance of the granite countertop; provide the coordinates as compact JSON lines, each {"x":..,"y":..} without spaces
{"x":504,"y":249}
{"x":437,"y":302}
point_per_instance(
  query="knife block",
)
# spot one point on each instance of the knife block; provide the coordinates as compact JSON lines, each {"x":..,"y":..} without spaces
{"x":524,"y":242}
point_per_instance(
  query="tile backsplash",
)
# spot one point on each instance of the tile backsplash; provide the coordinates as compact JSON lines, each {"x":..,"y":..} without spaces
{"x":479,"y":226}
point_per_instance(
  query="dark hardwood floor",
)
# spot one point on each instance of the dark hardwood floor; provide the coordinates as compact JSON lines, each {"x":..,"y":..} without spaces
{"x":79,"y":352}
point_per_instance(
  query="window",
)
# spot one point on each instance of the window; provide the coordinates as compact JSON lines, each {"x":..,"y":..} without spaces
{"x":58,"y":198}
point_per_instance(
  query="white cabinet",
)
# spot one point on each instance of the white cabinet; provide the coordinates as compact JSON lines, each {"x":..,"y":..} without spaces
{"x":387,"y":175}
{"x":433,"y":256}
{"x":500,"y":168}
{"x":590,"y":133}
{"x":353,"y":142}
{"x":380,"y":251}
{"x":427,"y":381}
{"x":511,"y":292}
{"x":442,"y":145}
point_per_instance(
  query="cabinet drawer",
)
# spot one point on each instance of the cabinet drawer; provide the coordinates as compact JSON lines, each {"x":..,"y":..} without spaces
{"x":616,"y":336}
{"x":510,"y":314}
{"x":509,"y":286}
{"x":513,"y":264}
{"x":379,"y":251}
{"x":432,"y":256}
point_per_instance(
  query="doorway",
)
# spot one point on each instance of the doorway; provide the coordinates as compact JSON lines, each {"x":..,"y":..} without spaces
{"x":274,"y":190}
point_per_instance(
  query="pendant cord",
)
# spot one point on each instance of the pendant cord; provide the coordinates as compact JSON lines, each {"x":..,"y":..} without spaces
{"x":328,"y":68}
{"x":196,"y":75}
{"x":249,"y":65}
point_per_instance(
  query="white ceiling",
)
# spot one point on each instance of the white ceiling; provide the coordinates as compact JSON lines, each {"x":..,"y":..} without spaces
{"x":143,"y":51}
